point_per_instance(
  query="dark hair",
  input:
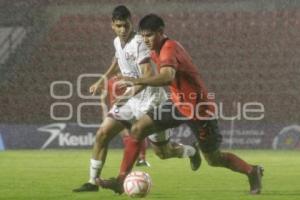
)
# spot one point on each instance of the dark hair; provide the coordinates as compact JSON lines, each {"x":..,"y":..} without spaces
{"x":151,"y":22}
{"x":121,"y":12}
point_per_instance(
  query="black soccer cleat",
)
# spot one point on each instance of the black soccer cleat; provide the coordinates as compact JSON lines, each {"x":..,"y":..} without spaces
{"x":142,"y":163}
{"x":87,"y":187}
{"x":195,"y":160}
{"x":113,"y":184}
{"x":255,"y":179}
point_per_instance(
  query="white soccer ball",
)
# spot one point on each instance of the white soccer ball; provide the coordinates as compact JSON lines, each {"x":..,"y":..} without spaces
{"x":137,"y":184}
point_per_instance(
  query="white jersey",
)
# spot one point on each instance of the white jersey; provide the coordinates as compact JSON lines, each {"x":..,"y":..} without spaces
{"x":129,"y":57}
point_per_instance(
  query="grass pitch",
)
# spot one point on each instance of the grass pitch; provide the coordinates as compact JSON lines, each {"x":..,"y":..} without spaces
{"x":52,"y":174}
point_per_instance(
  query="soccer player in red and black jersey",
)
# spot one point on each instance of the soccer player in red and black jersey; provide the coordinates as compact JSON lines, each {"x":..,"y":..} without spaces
{"x":189,"y":103}
{"x":113,"y":92}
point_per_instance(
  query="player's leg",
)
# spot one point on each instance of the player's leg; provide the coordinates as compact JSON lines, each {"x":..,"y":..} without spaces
{"x":108,"y":129}
{"x":141,"y":129}
{"x":124,"y":134}
{"x":167,"y":116}
{"x":235,"y":163}
{"x":166,"y":149}
{"x":141,"y":161}
{"x":150,"y":123}
{"x":210,"y":140}
{"x":163,"y":148}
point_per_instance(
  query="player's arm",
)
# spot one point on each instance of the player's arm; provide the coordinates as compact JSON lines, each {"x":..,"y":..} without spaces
{"x":146,"y":70}
{"x":112,"y":70}
{"x":165,"y":77}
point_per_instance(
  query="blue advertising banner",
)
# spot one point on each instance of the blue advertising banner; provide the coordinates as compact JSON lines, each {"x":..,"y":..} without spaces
{"x":71,"y":135}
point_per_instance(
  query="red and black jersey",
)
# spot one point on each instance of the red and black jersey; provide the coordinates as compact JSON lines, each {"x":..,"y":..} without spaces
{"x":187,"y":89}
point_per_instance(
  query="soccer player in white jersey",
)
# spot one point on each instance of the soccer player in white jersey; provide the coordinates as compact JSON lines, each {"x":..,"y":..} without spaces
{"x":132,"y":58}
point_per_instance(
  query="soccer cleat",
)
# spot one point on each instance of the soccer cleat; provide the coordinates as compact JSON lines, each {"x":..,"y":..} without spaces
{"x":112,"y":184}
{"x":255,"y":179}
{"x":87,"y":187}
{"x":195,"y":160}
{"x":142,"y":163}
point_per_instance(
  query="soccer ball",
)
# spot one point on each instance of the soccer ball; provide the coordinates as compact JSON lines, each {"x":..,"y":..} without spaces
{"x":137,"y":184}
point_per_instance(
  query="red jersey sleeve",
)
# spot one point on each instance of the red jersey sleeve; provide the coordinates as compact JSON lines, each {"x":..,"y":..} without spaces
{"x":167,"y":55}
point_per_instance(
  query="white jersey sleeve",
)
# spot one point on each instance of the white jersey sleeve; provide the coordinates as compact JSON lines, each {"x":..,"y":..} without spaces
{"x":143,"y":51}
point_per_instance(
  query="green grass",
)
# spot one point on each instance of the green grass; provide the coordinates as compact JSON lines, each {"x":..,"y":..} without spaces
{"x":53,"y":174}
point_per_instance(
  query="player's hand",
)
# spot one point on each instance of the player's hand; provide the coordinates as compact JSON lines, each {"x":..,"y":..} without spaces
{"x":96,"y":87}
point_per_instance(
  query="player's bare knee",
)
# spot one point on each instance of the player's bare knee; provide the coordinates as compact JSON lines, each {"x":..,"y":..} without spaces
{"x":162,"y":151}
{"x":135,"y":131}
{"x":161,"y":154}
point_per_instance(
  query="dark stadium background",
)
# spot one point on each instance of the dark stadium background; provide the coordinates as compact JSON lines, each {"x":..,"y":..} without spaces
{"x":247,"y":51}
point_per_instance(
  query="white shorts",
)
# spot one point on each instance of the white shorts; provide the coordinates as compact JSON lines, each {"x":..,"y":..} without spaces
{"x":131,"y":111}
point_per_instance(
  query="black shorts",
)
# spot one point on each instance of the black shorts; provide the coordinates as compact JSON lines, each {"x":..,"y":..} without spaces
{"x":206,"y":131}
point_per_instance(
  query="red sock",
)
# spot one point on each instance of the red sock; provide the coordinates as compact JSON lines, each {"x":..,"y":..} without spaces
{"x":131,"y":152}
{"x":125,"y":140}
{"x":142,"y":155}
{"x":234,"y":163}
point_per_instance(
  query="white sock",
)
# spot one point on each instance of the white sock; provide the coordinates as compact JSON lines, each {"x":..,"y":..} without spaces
{"x":188,"y":151}
{"x":95,"y":168}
